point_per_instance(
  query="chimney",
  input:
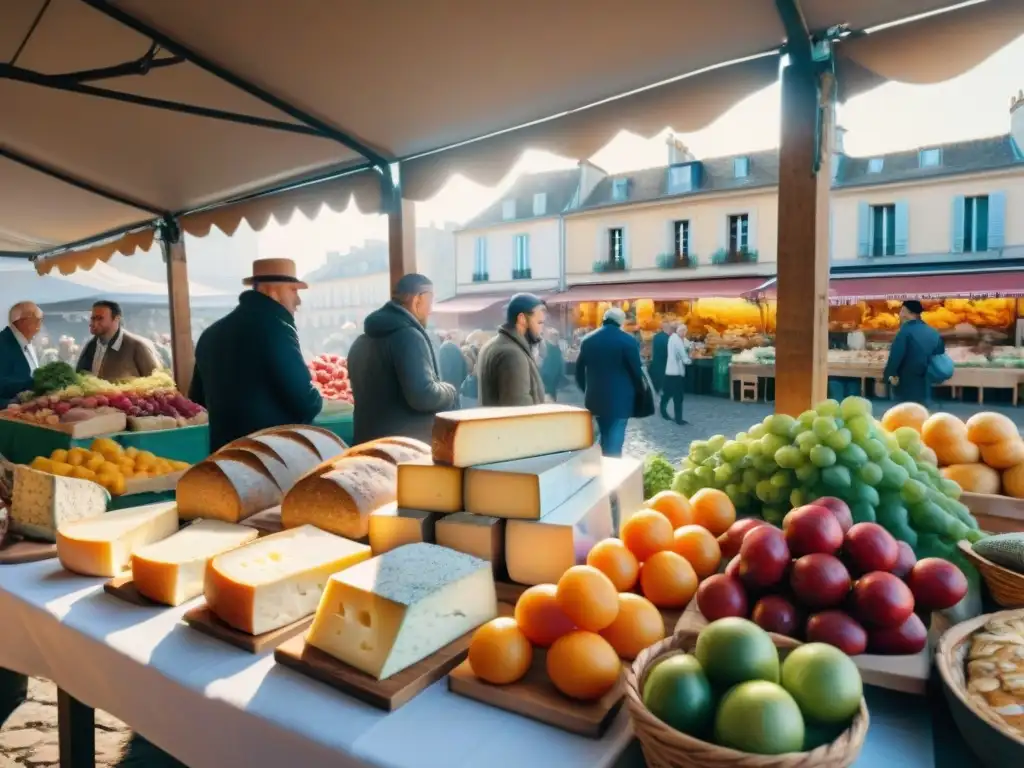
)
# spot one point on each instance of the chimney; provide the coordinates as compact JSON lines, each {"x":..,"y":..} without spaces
{"x":1017,"y":119}
{"x":678,"y":152}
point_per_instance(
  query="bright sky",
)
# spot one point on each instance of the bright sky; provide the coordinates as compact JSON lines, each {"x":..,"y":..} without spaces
{"x":889,"y":118}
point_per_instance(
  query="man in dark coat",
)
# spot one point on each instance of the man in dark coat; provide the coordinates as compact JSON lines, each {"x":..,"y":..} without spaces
{"x":396,"y":383}
{"x":17,"y":356}
{"x":609,"y":372}
{"x":507,"y":367}
{"x":552,"y":364}
{"x":451,"y":363}
{"x":912,"y":350}
{"x":659,"y":355}
{"x":249,"y":370}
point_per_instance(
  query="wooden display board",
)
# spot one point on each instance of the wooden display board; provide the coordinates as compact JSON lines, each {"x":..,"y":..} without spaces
{"x":103,"y":424}
{"x":995,"y":514}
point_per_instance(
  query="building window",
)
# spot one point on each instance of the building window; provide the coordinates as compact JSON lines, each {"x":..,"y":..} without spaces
{"x":680,"y":179}
{"x":620,"y":189}
{"x":540,"y":203}
{"x":741,"y":167}
{"x":480,"y":261}
{"x":976,"y":224}
{"x":617,"y":247}
{"x":875,"y":165}
{"x":739,"y":229}
{"x":681,"y":239}
{"x":883,"y":230}
{"x":931,"y":158}
{"x":508,"y":210}
{"x":521,"y":249}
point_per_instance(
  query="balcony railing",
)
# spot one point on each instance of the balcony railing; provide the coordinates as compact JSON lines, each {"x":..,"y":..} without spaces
{"x":610,"y":265}
{"x":522,"y":274}
{"x":676,"y":261}
{"x":738,"y":256}
{"x":481,"y":277}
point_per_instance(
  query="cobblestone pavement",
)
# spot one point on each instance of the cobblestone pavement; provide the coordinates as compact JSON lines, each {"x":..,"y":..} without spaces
{"x":28,"y":730}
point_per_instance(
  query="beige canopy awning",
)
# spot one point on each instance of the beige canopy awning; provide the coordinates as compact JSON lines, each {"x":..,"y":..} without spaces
{"x":271,"y":93}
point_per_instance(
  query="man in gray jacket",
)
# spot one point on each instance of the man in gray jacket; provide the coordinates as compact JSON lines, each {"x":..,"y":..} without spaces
{"x":507,"y":367}
{"x":396,"y":383}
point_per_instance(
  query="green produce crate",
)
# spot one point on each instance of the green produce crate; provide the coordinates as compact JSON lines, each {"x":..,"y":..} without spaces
{"x":720,"y":381}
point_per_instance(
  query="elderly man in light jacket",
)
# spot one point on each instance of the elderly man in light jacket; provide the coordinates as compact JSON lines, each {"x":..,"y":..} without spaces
{"x":675,"y":374}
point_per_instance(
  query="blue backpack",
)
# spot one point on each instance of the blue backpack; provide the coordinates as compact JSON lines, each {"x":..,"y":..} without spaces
{"x":940,"y":368}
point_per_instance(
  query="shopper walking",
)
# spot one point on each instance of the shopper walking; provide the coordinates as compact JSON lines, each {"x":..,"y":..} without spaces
{"x":659,"y":355}
{"x":451,"y":363}
{"x":507,"y":368}
{"x":911,"y":354}
{"x":552,"y":364}
{"x":678,"y":357}
{"x":610,"y":373}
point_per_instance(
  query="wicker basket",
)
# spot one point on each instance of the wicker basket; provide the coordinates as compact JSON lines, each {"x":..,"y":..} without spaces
{"x":984,"y":731}
{"x":1006,"y":586}
{"x":665,"y":747}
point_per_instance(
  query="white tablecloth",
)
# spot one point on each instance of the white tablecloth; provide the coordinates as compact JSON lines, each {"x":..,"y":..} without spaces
{"x":209,"y":704}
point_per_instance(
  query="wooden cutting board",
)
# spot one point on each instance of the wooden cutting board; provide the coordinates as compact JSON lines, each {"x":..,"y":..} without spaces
{"x":123,"y":588}
{"x":203,"y":619}
{"x":509,"y":592}
{"x":17,"y":551}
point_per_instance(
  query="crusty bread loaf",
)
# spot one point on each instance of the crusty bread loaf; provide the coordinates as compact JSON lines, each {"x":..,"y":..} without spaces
{"x":324,"y":442}
{"x":395,"y":452}
{"x":285,"y":458}
{"x":228,"y":489}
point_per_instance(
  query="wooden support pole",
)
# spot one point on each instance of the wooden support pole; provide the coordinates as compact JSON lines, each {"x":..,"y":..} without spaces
{"x":76,"y":732}
{"x":182,"y":348}
{"x":801,"y":342}
{"x":401,"y":235}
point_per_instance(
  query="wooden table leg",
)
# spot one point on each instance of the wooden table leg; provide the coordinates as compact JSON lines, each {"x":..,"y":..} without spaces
{"x":76,"y":727}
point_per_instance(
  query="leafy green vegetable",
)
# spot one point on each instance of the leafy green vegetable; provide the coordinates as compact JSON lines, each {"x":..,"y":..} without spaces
{"x":52,"y":377}
{"x":658,"y":475}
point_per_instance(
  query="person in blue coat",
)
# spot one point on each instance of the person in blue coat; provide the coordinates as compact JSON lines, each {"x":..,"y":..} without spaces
{"x":912,"y":350}
{"x":17,"y":356}
{"x":659,"y":355}
{"x":608,"y":370}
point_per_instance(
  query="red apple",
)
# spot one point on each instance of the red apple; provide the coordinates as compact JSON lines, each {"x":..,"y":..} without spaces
{"x":905,"y":561}
{"x":881,"y":600}
{"x":936,"y":584}
{"x":909,"y":637}
{"x":869,"y":547}
{"x":774,"y":613}
{"x":839,"y":508}
{"x":732,"y":569}
{"x":838,"y":629}
{"x":730,"y":541}
{"x":720,"y":596}
{"x":764,"y":557}
{"x":812,"y":529}
{"x":820,"y":581}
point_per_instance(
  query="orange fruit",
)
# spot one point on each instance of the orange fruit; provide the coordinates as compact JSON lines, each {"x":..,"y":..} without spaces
{"x":713,"y":510}
{"x":583,"y":665}
{"x":672,"y":505}
{"x":699,"y":547}
{"x":638,"y":625}
{"x":539,"y":616}
{"x":499,"y":652}
{"x":587,"y":597}
{"x":614,"y":560}
{"x":647,"y":532}
{"x":668,"y":580}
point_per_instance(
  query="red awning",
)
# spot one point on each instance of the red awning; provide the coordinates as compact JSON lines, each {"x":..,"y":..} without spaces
{"x":665,"y":290}
{"x":915,"y":286}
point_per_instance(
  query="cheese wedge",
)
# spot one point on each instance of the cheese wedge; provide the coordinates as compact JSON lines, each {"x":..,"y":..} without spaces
{"x":477,"y":535}
{"x":392,"y":527}
{"x":276,"y":580}
{"x":42,"y":502}
{"x":171,"y":571}
{"x":226,"y":489}
{"x":103,"y":545}
{"x":487,"y":435}
{"x":386,"y":614}
{"x":540,"y":551}
{"x":423,"y":484}
{"x":529,"y":488}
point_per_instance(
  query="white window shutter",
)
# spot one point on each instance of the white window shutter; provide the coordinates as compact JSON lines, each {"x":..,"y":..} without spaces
{"x":625,"y":246}
{"x":752,"y":231}
{"x":996,"y":220}
{"x":863,"y":229}
{"x":957,"y":224}
{"x":902,"y":228}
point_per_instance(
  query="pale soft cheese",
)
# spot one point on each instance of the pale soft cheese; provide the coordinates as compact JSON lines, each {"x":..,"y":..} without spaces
{"x":488,"y":435}
{"x":422,"y":484}
{"x":276,"y":580}
{"x":477,"y":535}
{"x":392,"y":527}
{"x":386,"y":614}
{"x":540,"y":551}
{"x":103,"y":545}
{"x":530,"y":488}
{"x":171,"y":571}
{"x":42,"y":502}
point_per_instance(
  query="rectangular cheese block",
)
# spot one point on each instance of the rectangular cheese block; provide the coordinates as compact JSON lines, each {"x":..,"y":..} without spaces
{"x":276,"y":580}
{"x":390,"y":612}
{"x":477,"y":535}
{"x":529,"y":488}
{"x":42,"y":502}
{"x":540,"y":551}
{"x":423,"y":484}
{"x":228,"y":489}
{"x":487,"y":435}
{"x":103,"y":545}
{"x":172,"y":571}
{"x":392,"y":526}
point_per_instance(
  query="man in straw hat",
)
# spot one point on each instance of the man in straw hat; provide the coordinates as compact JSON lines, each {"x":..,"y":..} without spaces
{"x":249,"y":371}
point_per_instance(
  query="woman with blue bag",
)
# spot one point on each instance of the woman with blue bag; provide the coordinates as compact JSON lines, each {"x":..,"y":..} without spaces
{"x":917,"y":358}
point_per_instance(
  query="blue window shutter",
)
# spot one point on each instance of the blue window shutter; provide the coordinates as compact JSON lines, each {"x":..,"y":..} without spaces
{"x":959,"y":204}
{"x":526,"y":251}
{"x":996,"y":220}
{"x":863,"y":229}
{"x":625,"y":247}
{"x":902,"y":228}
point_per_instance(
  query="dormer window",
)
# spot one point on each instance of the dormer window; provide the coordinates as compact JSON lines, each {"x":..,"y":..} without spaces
{"x":680,"y":179}
{"x":508,"y":210}
{"x":741,"y":167}
{"x":540,"y":203}
{"x":931,"y":158}
{"x":620,"y":189}
{"x":875,"y":165}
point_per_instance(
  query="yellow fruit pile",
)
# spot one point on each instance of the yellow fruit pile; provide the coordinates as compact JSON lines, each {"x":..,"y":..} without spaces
{"x":107,"y":463}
